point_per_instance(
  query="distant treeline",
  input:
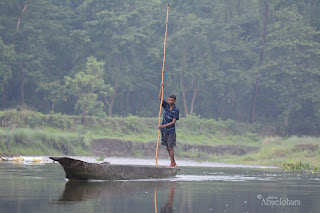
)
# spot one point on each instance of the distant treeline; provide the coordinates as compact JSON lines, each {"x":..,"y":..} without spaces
{"x":245,"y":60}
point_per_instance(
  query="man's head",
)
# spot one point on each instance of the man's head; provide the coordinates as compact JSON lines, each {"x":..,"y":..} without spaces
{"x":172,"y":100}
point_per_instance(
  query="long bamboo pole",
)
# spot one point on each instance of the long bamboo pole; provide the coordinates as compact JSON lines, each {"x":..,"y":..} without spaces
{"x":164,"y":59}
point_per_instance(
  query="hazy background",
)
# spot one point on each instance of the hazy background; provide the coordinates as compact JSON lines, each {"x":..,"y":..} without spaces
{"x":244,"y":60}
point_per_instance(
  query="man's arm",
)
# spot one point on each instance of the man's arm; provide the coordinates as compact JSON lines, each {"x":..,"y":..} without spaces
{"x":169,"y":124}
{"x":161,"y":88}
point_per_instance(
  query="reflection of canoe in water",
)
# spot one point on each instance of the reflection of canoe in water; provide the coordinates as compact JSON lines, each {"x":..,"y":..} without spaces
{"x":86,"y":190}
{"x":129,"y":193}
{"x":80,"y":170}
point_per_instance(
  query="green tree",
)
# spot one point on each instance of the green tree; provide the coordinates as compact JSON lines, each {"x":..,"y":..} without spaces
{"x":6,"y":60}
{"x":264,"y":17}
{"x":40,"y":38}
{"x":188,"y":59}
{"x":54,"y":92}
{"x":117,"y":33}
{"x":234,"y":38}
{"x":213,"y":55}
{"x":86,"y":87}
{"x":291,"y":68}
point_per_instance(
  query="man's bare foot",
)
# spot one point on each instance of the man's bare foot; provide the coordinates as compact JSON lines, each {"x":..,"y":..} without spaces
{"x":173,"y":165}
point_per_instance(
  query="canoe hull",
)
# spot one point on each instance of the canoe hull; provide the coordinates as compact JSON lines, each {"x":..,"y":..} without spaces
{"x":80,"y":170}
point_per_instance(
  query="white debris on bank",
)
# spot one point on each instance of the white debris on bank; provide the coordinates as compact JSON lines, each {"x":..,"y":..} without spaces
{"x":24,"y":159}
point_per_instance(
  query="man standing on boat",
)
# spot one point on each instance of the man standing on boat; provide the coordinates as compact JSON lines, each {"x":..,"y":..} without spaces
{"x":168,"y":130}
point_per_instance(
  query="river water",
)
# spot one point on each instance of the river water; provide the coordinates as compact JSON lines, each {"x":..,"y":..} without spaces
{"x":198,"y":187}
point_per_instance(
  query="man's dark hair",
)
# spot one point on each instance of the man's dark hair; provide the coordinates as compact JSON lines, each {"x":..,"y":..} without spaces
{"x":173,"y":96}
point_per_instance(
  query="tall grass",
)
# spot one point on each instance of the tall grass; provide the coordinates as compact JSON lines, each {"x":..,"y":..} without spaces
{"x":33,"y":133}
{"x":28,"y":141}
{"x":278,"y":150}
{"x":190,"y":130}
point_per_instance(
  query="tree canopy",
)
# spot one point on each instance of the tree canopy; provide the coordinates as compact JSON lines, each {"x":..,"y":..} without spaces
{"x":245,"y":60}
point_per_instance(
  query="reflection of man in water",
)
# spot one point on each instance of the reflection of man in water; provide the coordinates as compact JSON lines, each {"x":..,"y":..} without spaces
{"x":168,"y":207}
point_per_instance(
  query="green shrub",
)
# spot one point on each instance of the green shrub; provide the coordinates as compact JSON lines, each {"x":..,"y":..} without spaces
{"x":59,"y":121}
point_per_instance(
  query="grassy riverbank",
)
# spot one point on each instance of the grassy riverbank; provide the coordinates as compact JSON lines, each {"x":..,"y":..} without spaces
{"x":33,"y":133}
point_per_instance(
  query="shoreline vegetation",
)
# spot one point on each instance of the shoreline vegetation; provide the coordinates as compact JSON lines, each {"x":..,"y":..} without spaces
{"x":33,"y":133}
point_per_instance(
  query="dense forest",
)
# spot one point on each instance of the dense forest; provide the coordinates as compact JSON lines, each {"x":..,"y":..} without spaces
{"x":244,"y":60}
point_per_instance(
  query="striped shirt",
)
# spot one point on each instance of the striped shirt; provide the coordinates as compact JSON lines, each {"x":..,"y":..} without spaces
{"x":168,"y":116}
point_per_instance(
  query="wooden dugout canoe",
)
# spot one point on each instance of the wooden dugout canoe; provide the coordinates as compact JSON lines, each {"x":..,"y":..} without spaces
{"x":81,"y":170}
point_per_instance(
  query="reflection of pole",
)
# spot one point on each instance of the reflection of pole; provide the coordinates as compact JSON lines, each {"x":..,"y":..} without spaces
{"x":164,"y":59}
{"x":155,"y":201}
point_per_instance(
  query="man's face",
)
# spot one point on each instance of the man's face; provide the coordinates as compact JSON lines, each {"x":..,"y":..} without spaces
{"x":171,"y":101}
